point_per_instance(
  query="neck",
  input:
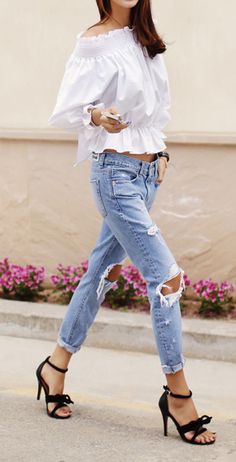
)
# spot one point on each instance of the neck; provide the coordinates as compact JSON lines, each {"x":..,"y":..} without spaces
{"x":120,"y":14}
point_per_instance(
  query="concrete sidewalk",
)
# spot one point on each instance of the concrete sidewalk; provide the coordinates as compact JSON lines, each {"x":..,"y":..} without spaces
{"x":115,"y":416}
{"x":208,"y":339}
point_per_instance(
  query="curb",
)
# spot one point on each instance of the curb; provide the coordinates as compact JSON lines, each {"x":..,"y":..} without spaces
{"x":202,"y":338}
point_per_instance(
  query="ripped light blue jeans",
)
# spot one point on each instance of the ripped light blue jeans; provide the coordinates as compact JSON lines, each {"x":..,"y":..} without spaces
{"x":124,"y":189}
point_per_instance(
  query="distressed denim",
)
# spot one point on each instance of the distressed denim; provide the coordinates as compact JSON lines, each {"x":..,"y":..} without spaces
{"x":124,"y":190}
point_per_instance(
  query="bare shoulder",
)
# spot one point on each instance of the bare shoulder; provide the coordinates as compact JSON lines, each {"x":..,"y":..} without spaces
{"x":94,"y":30}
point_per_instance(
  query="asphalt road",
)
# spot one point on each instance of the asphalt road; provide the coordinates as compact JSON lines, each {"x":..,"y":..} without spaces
{"x":115,"y":415}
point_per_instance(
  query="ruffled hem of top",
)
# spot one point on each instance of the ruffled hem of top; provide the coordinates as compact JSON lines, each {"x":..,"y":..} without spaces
{"x":136,"y":140}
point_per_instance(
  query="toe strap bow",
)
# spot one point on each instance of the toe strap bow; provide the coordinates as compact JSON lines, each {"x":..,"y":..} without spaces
{"x":59,"y":399}
{"x":196,"y":424}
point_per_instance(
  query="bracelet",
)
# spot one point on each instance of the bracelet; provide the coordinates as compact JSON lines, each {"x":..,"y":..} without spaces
{"x":164,"y":154}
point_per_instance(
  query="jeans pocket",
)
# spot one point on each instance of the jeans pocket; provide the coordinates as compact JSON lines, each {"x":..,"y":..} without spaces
{"x":96,"y":190}
{"x":123,"y":181}
{"x":123,"y":175}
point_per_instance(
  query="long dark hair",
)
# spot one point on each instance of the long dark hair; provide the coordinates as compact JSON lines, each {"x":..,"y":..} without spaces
{"x":140,"y":17}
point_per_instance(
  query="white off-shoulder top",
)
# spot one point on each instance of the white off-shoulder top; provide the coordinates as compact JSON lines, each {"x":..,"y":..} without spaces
{"x":112,"y":69}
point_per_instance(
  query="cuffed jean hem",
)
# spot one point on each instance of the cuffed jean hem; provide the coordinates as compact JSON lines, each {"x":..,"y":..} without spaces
{"x":67,"y":347}
{"x":172,"y":369}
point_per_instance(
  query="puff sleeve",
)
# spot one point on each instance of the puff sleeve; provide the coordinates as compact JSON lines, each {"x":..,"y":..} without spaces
{"x":77,"y":94}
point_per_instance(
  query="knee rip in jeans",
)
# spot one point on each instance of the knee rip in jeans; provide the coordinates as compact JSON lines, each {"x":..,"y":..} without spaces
{"x":104,"y":282}
{"x":176,"y":274}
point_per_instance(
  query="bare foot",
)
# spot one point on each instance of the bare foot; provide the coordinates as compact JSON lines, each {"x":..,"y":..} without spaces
{"x":55,"y":381}
{"x":183,"y":410}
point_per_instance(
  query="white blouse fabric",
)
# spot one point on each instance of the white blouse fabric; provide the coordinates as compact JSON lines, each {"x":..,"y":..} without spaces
{"x":112,"y":69}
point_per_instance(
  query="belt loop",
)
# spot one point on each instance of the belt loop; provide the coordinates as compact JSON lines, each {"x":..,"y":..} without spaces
{"x":141,"y":167}
{"x":102,"y":156}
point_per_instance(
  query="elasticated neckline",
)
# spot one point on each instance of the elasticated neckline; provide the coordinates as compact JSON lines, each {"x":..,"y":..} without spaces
{"x":104,"y":44}
{"x":104,"y":35}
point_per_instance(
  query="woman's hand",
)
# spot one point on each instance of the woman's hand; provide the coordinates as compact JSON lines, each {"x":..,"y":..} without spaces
{"x":110,"y":125}
{"x":162,"y":166}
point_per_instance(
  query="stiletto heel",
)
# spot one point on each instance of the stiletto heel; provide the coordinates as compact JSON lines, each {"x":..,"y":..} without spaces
{"x":39,"y":390}
{"x":61,"y":399}
{"x":165,"y":423}
{"x":193,"y":425}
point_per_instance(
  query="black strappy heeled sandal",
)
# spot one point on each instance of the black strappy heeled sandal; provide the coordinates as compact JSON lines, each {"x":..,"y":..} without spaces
{"x":193,"y":425}
{"x":60,"y":399}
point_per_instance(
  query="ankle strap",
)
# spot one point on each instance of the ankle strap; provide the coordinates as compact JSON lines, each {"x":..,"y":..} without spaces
{"x":166,"y":388}
{"x":59,"y":369}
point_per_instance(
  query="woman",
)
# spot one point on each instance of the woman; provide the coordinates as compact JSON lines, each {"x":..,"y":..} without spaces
{"x":116,"y":71}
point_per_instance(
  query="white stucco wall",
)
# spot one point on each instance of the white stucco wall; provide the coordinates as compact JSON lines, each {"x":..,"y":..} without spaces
{"x":47,"y":212}
{"x":37,"y":37}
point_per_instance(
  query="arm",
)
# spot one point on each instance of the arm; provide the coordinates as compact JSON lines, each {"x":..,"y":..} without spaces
{"x":79,"y":105}
{"x":111,"y":126}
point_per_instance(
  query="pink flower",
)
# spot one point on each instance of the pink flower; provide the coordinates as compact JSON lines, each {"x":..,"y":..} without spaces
{"x":20,"y":280}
